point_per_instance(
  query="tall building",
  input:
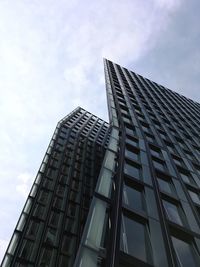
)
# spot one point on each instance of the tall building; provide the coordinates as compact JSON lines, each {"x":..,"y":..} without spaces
{"x":120,"y":194}
{"x":50,"y":227}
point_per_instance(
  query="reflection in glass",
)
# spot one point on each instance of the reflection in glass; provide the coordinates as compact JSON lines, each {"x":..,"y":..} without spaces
{"x":132,"y":198}
{"x":185,"y":253}
{"x":185,"y":177}
{"x":134,"y":238}
{"x":164,"y":186}
{"x":194,"y":197}
{"x":159,"y":165}
{"x":172,"y":212}
{"x":131,"y":154}
{"x":131,"y":170}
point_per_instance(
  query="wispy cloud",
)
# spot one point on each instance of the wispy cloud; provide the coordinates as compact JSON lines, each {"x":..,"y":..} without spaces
{"x":23,"y":183}
{"x":3,"y":246}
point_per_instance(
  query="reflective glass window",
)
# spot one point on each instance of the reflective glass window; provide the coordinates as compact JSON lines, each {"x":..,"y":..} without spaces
{"x":194,"y":196}
{"x":165,"y":186}
{"x":68,"y":244}
{"x":131,"y":140}
{"x":131,"y":170}
{"x":129,"y":129}
{"x":173,"y":212}
{"x":50,"y":237}
{"x":26,"y":249}
{"x":133,"y":198}
{"x":131,"y":153}
{"x":186,"y":255}
{"x":159,"y":164}
{"x":33,"y":228}
{"x":185,"y":177}
{"x":47,"y":257}
{"x":54,"y":218}
{"x":135,"y":239}
{"x":177,"y":161}
{"x":155,"y":153}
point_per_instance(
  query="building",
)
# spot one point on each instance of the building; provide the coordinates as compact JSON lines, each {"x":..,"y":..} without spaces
{"x":119,"y":194}
{"x":50,"y":227}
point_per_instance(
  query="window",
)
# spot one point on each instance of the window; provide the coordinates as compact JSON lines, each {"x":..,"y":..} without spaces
{"x":149,"y":137}
{"x":158,"y":164}
{"x":26,"y":250}
{"x":33,"y":228}
{"x":47,"y":257}
{"x":131,"y":140}
{"x":189,"y":155}
{"x":177,"y":161}
{"x":129,"y":129}
{"x":72,"y":209}
{"x":39,"y":211}
{"x":43,"y":197}
{"x":133,"y":198}
{"x":132,"y":170}
{"x":197,"y":168}
{"x":126,"y":120}
{"x":186,"y":177}
{"x":58,"y":202}
{"x":135,"y":239}
{"x":170,"y":147}
{"x":165,"y":186}
{"x":131,"y":153}
{"x":54,"y":218}
{"x":195,"y":197}
{"x":173,"y":212}
{"x":68,"y":244}
{"x":185,"y":252}
{"x":155,"y":152}
{"x":50,"y":237}
{"x":163,"y":134}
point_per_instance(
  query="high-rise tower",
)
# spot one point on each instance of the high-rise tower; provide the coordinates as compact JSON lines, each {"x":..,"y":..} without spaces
{"x":50,"y":227}
{"x":123,"y":194}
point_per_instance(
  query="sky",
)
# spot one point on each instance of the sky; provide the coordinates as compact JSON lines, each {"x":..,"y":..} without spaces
{"x":51,"y":61}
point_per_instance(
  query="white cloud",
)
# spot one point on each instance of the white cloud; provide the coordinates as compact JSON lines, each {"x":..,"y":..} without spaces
{"x":3,"y":246}
{"x":23,"y":186}
{"x":24,"y":177}
{"x":169,"y":4}
{"x":22,"y":189}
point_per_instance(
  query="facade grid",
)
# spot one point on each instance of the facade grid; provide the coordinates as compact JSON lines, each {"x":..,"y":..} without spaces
{"x":119,"y":194}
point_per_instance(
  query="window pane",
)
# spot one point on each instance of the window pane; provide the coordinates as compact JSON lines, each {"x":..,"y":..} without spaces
{"x":135,"y":239}
{"x":194,"y":197}
{"x":164,"y":186}
{"x":133,"y":198}
{"x":185,"y":177}
{"x":50,"y":237}
{"x":129,"y":130}
{"x":32,"y":229}
{"x":155,"y":153}
{"x":68,"y":244}
{"x":131,"y":170}
{"x":172,"y":212}
{"x":47,"y":257}
{"x":131,"y":141}
{"x":185,"y":253}
{"x":159,"y":165}
{"x":26,"y":250}
{"x":131,"y":154}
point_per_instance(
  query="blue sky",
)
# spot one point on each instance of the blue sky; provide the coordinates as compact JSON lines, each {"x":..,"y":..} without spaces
{"x":51,"y":55}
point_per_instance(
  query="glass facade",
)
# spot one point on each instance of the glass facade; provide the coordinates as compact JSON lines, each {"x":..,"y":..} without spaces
{"x":119,"y":194}
{"x":52,"y":222}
